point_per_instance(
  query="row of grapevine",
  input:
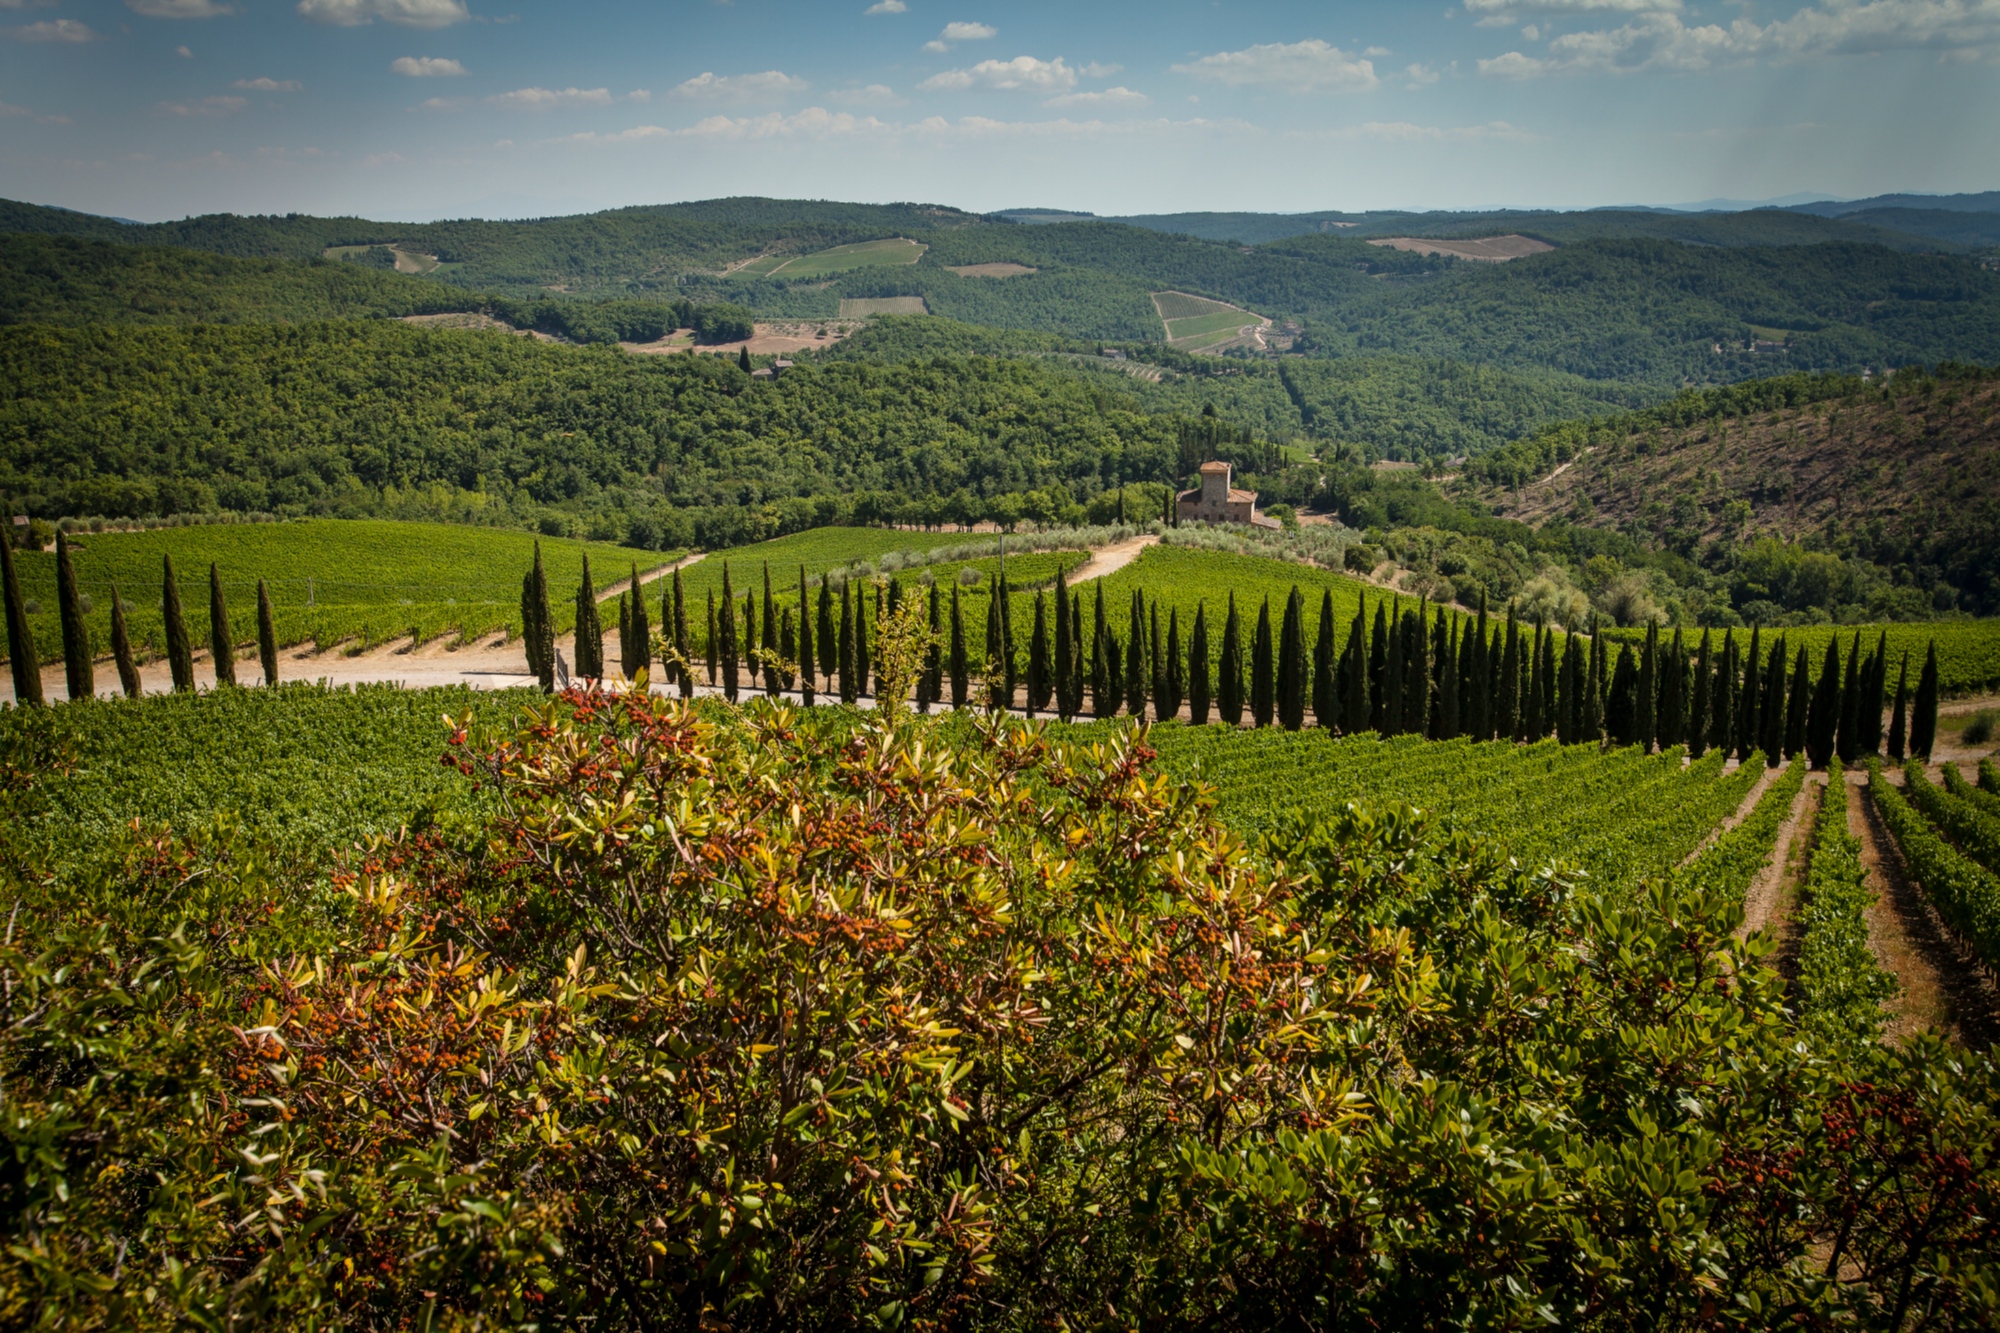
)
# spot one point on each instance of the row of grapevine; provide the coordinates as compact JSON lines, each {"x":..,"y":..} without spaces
{"x":1841,"y":988}
{"x":1738,"y":855}
{"x":1970,"y":829}
{"x":1978,"y":797}
{"x":1965,"y":894}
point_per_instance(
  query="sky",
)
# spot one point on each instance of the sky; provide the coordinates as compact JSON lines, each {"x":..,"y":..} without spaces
{"x":418,"y":109}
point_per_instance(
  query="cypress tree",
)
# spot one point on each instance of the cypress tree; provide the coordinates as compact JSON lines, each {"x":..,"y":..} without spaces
{"x":221,"y":640}
{"x":995,"y":653}
{"x":1770,"y":735}
{"x":530,"y":641}
{"x":1873,"y":685}
{"x":1416,"y":674}
{"x":624,"y":633}
{"x":826,"y":634}
{"x":1102,"y":704}
{"x":1569,"y":682}
{"x":1395,"y":675}
{"x":1263,"y":685}
{"x":121,"y":648}
{"x":589,"y":629}
{"x":1074,"y":671}
{"x":849,"y":687}
{"x":1923,"y":717}
{"x":1898,"y":723}
{"x":1698,"y":711}
{"x":1495,"y":670}
{"x":1354,"y":709}
{"x":1176,"y":676}
{"x":1136,"y":657}
{"x":1621,"y":707}
{"x":729,"y":647}
{"x":538,"y":636}
{"x":1229,"y":671}
{"x":1065,"y":705}
{"x":1198,"y":677}
{"x":747,"y":636}
{"x":1722,"y":698}
{"x":1038,"y":658}
{"x":1823,"y":723}
{"x":788,"y":644}
{"x":770,"y":640}
{"x":1847,"y":731}
{"x":21,"y":653}
{"x":1380,"y":718}
{"x":1797,"y":704}
{"x":808,"y":652}
{"x":1646,"y":717}
{"x":1291,"y":666}
{"x":934,"y":655}
{"x":1157,"y":677}
{"x":1545,"y":675}
{"x":1750,"y":703}
{"x":267,"y":635}
{"x":1673,"y":694}
{"x":180,"y":650}
{"x":1325,"y":684}
{"x":683,"y":644}
{"x":960,"y":673}
{"x":1447,"y":723}
{"x":864,"y":659}
{"x":713,"y":650}
{"x":1009,"y":671}
{"x":641,"y":656}
{"x":1532,"y":722}
{"x":1475,"y":691}
{"x":1597,"y":687}
{"x":79,"y":664}
{"x":1507,"y":714}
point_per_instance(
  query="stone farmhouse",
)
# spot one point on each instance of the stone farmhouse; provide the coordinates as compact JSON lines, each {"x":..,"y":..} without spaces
{"x":1216,"y":501}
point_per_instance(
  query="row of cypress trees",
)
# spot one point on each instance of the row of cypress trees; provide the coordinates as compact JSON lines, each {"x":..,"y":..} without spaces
{"x":1409,"y":672}
{"x":79,"y":653}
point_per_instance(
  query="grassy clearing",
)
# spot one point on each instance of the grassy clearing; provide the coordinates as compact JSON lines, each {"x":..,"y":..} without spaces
{"x":843,"y":258}
{"x":763,"y":266}
{"x":1227,"y":324}
{"x":330,"y":579}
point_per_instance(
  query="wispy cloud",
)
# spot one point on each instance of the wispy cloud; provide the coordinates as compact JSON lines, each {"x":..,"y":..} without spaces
{"x":875,"y":94}
{"x":887,"y":7}
{"x":1419,"y":76}
{"x":426,"y":67}
{"x":9,"y":111}
{"x":1400,"y":131}
{"x":1308,"y":66}
{"x":407,"y":13}
{"x":1095,"y":70}
{"x":179,"y":9}
{"x":53,"y":30}
{"x":207,"y":106}
{"x":28,"y":4}
{"x":1109,"y":97}
{"x":268,"y":85}
{"x":818,"y":122}
{"x":961,"y":32}
{"x":550,"y":99}
{"x":1021,"y":74}
{"x":710,"y":87}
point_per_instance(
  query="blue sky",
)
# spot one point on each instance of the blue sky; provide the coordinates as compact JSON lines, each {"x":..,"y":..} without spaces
{"x":422,"y":108}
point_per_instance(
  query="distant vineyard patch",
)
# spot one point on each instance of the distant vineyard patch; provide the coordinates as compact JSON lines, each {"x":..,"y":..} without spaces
{"x":1492,"y":249}
{"x":883,"y":305}
{"x":1197,"y":324}
{"x":991,"y":270}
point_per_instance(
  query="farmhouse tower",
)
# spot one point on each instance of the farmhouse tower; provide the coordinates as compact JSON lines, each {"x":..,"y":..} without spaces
{"x":1216,"y":501}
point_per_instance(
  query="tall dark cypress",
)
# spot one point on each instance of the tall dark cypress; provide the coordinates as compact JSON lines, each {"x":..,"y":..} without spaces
{"x":1105,"y":692}
{"x":1355,"y":711}
{"x":1395,"y":676}
{"x":1823,"y":722}
{"x":1074,"y":671}
{"x":1291,"y":664}
{"x":849,"y":689}
{"x":1136,"y":657}
{"x":267,"y":635}
{"x":788,"y":644}
{"x":589,"y":629}
{"x":712,"y":652}
{"x":683,"y":641}
{"x":121,"y":648}
{"x":1546,"y":674}
{"x":1175,"y":680}
{"x":1923,"y":716}
{"x":180,"y":650}
{"x":1771,"y":708}
{"x":934,"y":655}
{"x":1325,"y":687}
{"x":1898,"y":725}
{"x":1873,"y":685}
{"x":1445,"y":724}
{"x":727,"y":643}
{"x":808,"y":658}
{"x":1229,"y":671}
{"x":1038,"y":658}
{"x":961,"y":673}
{"x":1495,"y":670}
{"x":1621,"y":705}
{"x":1533,"y":724}
{"x":1722,"y":699}
{"x":221,"y":639}
{"x":752,"y":646}
{"x":1475,"y":690}
{"x":1065,"y":705}
{"x":1847,"y":730}
{"x":642,"y":631}
{"x":1416,"y":674}
{"x":864,"y":659}
{"x":1380,"y":719}
{"x":21,"y":655}
{"x":624,"y":632}
{"x":770,"y":637}
{"x":530,"y":640}
{"x":1750,"y":700}
{"x":1569,"y":684}
{"x":993,"y":669}
{"x":1647,"y":716}
{"x":1199,"y":693}
{"x":79,"y":663}
{"x":1010,"y":674}
{"x":1157,"y":672}
{"x":1798,"y":702}
{"x":1698,"y":711}
{"x":1507,"y":712}
{"x":1597,"y":687}
{"x":539,"y":628}
{"x":1673,"y":694}
{"x":826,"y":634}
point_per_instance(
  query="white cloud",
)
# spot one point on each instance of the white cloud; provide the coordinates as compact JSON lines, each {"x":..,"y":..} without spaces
{"x":426,"y":67}
{"x":207,"y":106}
{"x":269,"y":85}
{"x":818,"y":122}
{"x":887,"y":7}
{"x":1399,"y":131}
{"x":1377,"y":52}
{"x":639,"y":95}
{"x":550,"y":99}
{"x":960,"y":32}
{"x":1837,"y":27}
{"x":708,"y":87}
{"x":183,"y":53}
{"x":1094,"y":70}
{"x":875,"y":94}
{"x":178,"y":9}
{"x":55,"y":30}
{"x":408,"y":13}
{"x":1308,"y":66}
{"x":1022,"y":73}
{"x":1109,"y":97}
{"x":1420,"y":76}
{"x":1506,"y":8}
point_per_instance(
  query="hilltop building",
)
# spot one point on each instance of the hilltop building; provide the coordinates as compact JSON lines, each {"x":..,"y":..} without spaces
{"x":1216,"y":501}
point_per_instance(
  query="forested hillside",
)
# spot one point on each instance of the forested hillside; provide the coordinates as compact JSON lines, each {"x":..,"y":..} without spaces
{"x":1905,"y":475}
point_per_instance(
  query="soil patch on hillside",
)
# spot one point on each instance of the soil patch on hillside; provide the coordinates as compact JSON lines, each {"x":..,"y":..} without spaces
{"x":1489,"y":249}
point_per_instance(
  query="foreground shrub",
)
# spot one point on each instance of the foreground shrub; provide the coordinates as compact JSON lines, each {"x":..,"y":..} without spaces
{"x":776,"y":1019}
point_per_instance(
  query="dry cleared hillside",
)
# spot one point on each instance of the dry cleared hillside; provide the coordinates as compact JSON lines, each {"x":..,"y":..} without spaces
{"x":1904,"y":474}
